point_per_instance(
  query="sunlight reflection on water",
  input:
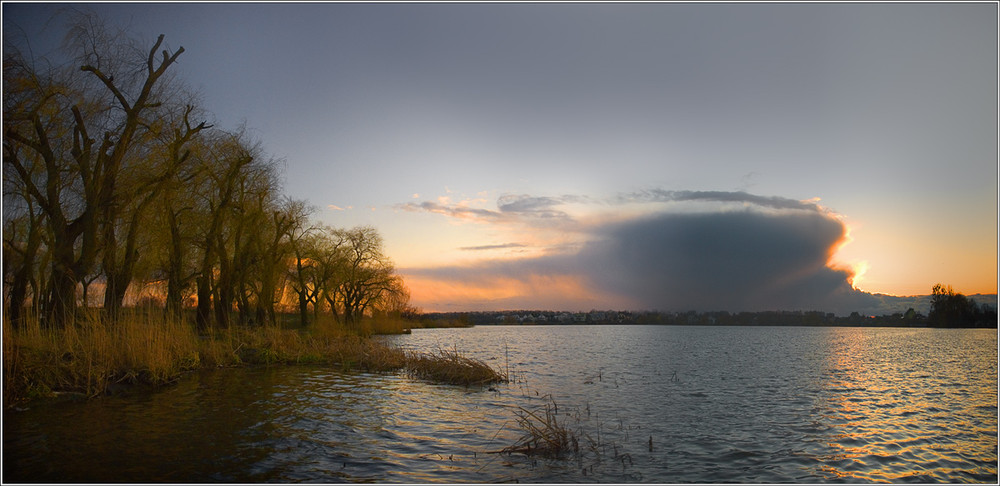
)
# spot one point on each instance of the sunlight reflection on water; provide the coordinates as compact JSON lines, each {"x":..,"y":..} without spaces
{"x":765,"y":404}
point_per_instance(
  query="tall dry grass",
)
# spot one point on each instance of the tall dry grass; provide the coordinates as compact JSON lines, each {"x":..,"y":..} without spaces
{"x":453,"y":367}
{"x":93,"y":356}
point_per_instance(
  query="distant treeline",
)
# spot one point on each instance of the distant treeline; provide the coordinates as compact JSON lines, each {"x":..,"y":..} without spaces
{"x":948,"y":309}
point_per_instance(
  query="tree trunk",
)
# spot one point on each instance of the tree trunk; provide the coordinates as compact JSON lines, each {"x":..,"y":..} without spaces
{"x":204,"y":282}
{"x":61,"y":305}
{"x":18,"y":295}
{"x":265,"y":302}
{"x":175,"y":269}
{"x":204,"y":310}
{"x":117,"y":282}
{"x":223,"y":287}
{"x":303,"y":307}
{"x":333,"y":308}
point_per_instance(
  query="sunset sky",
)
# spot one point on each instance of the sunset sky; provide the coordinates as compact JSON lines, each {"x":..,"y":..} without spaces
{"x":640,"y":156}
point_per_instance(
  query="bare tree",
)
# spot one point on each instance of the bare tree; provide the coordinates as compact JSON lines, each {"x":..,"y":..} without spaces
{"x":367,"y":272}
{"x":276,"y":251}
{"x":52,"y":125}
{"x":22,"y":243}
{"x":225,"y":163}
{"x":111,"y":176}
{"x":149,"y":182}
{"x":303,"y":267}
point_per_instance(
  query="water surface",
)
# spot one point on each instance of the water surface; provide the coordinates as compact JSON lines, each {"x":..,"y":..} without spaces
{"x":647,"y":403}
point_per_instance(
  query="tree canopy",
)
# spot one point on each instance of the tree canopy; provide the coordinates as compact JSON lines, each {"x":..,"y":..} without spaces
{"x":116,"y":184}
{"x":952,"y":309}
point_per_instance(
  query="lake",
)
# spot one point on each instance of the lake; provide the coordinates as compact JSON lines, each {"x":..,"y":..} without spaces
{"x":659,"y":404}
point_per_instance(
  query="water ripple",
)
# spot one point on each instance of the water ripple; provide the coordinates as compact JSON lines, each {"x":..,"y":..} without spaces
{"x":767,"y":405}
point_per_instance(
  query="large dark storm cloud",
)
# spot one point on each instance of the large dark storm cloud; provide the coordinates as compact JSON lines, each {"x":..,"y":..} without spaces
{"x":746,"y":260}
{"x":732,"y":251}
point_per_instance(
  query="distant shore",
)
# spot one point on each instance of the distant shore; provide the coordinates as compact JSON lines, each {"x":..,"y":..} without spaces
{"x":907,"y":318}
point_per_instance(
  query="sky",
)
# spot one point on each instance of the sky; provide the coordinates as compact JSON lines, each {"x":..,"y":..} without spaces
{"x":666,"y":156}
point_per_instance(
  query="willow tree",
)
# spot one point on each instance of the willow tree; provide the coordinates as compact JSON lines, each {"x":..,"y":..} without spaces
{"x":302,"y":268}
{"x":225,"y":160}
{"x":149,"y":181}
{"x":367,"y":274}
{"x":256,"y":239}
{"x":173,"y":217}
{"x":67,"y":137}
{"x":237,"y":229}
{"x":22,"y":247}
{"x":276,"y":241}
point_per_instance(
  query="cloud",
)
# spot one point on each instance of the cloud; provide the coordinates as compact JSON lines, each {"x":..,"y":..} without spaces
{"x":334,"y":207}
{"x":530,"y":205}
{"x":533,"y":210}
{"x":772,"y":202}
{"x":492,"y":247}
{"x":452,"y":210}
{"x":540,"y":207}
{"x":736,"y":252}
{"x":511,"y":208}
{"x":746,"y":260}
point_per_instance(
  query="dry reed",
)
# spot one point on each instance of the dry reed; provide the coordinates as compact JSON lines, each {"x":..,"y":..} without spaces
{"x":543,"y":434}
{"x":453,"y":367}
{"x":93,"y":357}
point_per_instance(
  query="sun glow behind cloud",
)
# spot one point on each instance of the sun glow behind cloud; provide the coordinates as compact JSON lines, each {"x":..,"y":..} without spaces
{"x":859,"y":271}
{"x":907,"y":147}
{"x":645,"y":249}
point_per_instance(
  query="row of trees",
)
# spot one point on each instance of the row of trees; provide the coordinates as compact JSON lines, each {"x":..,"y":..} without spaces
{"x":113,"y":177}
{"x":947,"y":309}
{"x":952,"y":309}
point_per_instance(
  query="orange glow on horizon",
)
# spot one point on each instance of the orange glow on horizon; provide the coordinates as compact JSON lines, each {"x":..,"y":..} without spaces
{"x":567,"y":292}
{"x":877,"y":256}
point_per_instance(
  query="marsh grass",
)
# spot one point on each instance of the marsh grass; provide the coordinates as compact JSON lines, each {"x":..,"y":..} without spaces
{"x":453,"y":367}
{"x":570,"y":436}
{"x":91,"y":357}
{"x":544,"y":434}
{"x":94,"y":357}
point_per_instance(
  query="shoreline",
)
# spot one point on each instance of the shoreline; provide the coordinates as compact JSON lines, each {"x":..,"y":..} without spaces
{"x":92,"y":358}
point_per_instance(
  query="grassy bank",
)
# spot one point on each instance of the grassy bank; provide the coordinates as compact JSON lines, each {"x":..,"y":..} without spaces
{"x":92,"y":357}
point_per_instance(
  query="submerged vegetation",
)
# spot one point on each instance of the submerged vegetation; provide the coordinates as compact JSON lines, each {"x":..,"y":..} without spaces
{"x":95,"y":357}
{"x":544,"y":434}
{"x":573,"y":435}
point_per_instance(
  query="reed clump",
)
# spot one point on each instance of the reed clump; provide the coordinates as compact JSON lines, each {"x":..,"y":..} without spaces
{"x":94,"y":356}
{"x":543,"y":434}
{"x":453,"y":367}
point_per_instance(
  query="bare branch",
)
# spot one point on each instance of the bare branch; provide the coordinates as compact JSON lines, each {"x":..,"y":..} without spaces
{"x":149,"y":60}
{"x":15,"y":160}
{"x":110,"y":84}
